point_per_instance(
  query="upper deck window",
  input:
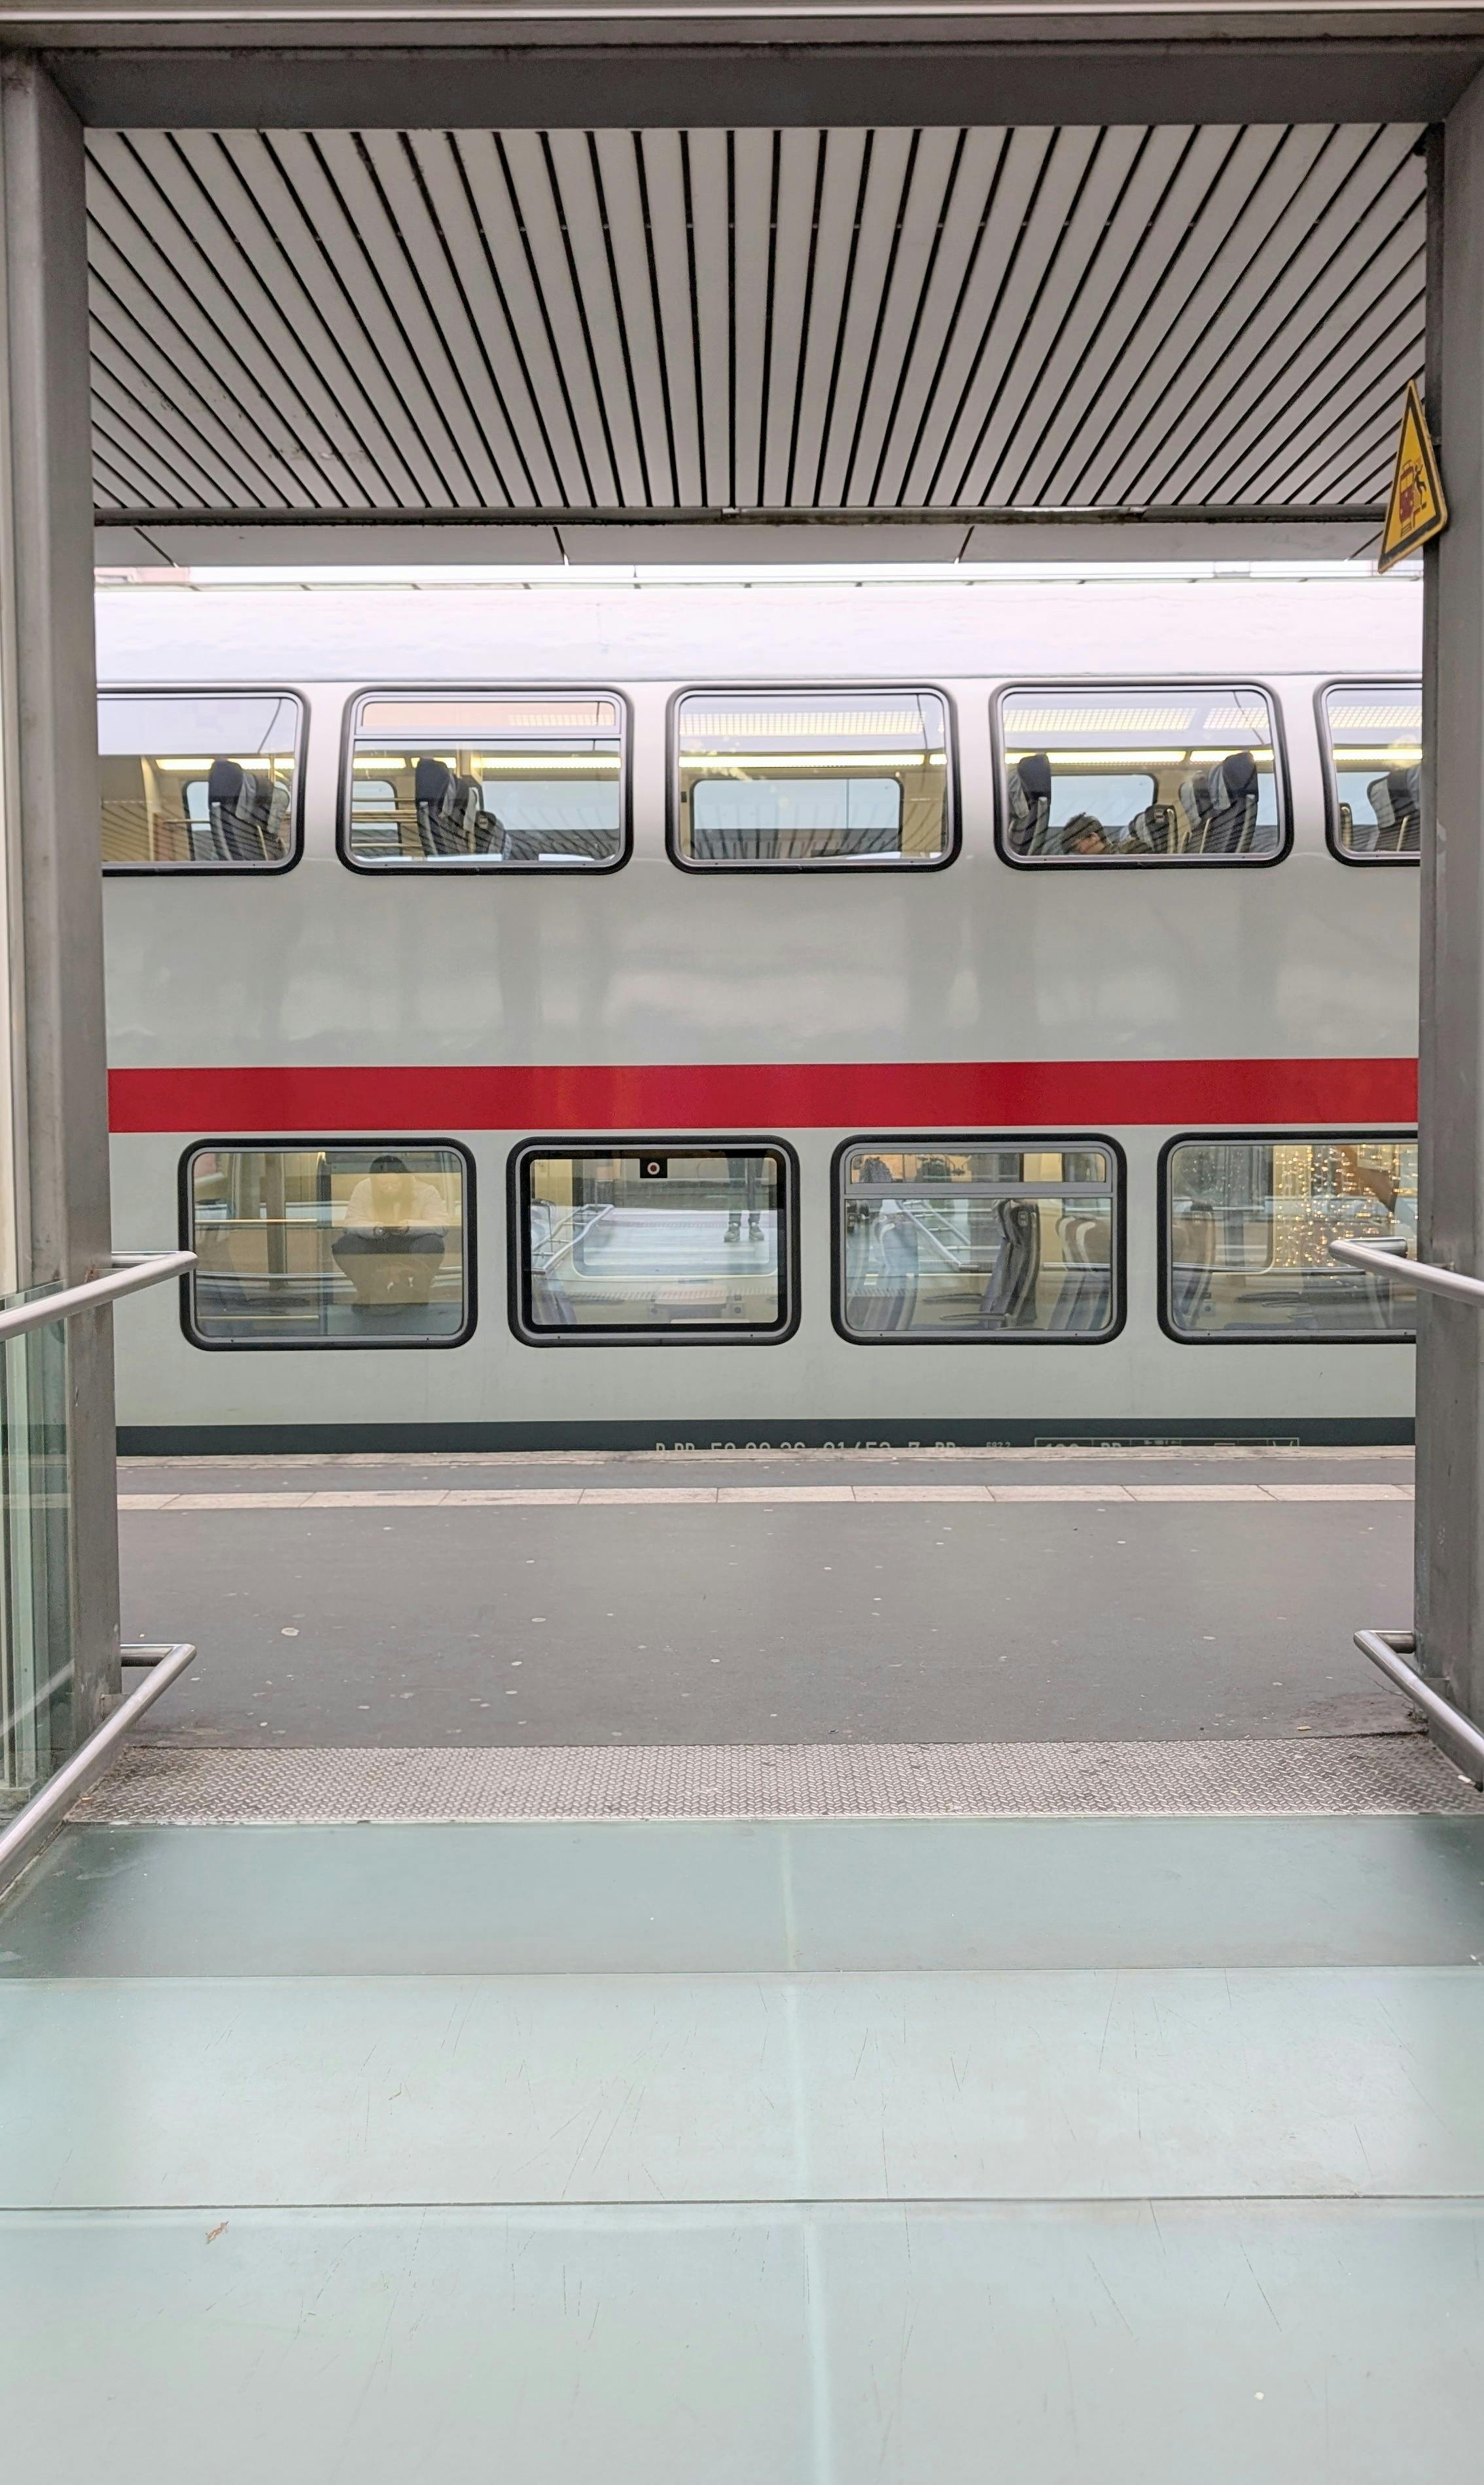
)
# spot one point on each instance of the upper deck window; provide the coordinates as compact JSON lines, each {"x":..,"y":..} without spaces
{"x":813,"y":778}
{"x":1373,"y":743}
{"x":199,"y":779}
{"x":1140,"y":776}
{"x":486,"y":783}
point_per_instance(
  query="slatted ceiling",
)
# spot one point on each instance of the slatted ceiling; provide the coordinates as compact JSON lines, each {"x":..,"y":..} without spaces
{"x":877,"y":320}
{"x":1262,"y":313}
{"x":1357,"y":277}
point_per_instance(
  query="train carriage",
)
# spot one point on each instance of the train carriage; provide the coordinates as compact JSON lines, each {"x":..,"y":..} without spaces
{"x":897,"y":1008}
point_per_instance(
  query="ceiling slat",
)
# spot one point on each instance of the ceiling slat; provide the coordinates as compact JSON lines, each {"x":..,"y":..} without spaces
{"x":958,"y":320}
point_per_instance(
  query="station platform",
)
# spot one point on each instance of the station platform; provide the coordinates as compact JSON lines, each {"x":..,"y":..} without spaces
{"x":1063,"y":2068}
{"x":537,"y":1604}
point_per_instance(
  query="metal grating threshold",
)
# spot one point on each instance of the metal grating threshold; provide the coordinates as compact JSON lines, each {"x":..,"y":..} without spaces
{"x":1383,"y":1773}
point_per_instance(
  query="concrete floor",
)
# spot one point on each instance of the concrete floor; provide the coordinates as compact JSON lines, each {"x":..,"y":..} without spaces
{"x":773,"y":1622}
{"x":1086,"y":2153}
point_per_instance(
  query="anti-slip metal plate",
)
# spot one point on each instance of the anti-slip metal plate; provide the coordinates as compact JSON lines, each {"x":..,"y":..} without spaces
{"x":1383,"y":1773}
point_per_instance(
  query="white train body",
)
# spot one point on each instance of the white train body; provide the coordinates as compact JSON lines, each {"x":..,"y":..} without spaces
{"x":649,"y":1004}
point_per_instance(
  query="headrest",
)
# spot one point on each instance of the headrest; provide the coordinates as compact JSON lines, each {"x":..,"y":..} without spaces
{"x":224,"y":784}
{"x":1239,"y":775}
{"x":1404,"y":785}
{"x":431,"y":780}
{"x":1035,"y":774}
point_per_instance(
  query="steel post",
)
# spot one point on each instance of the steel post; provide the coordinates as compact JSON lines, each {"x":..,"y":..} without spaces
{"x":56,"y":1084}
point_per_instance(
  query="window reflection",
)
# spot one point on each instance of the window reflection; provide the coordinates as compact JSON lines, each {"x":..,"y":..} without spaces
{"x":970,"y":1239}
{"x":491,"y":783}
{"x":1375,"y":748}
{"x":680,"y":1240}
{"x":1140,"y":776}
{"x":1249,"y":1228}
{"x":854,"y":777}
{"x":200,"y":779}
{"x":328,"y":1245}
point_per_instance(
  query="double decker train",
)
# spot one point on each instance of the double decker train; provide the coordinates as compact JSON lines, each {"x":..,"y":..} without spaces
{"x":807,"y":1009}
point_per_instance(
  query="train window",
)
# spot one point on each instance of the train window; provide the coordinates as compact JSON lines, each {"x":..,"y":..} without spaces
{"x":977,"y":1238}
{"x":199,"y":780}
{"x":833,"y":779}
{"x":332,"y":1245}
{"x":686,"y":1240}
{"x":1373,"y":743}
{"x":485,"y":782}
{"x":1145,"y":774}
{"x":1248,"y":1225}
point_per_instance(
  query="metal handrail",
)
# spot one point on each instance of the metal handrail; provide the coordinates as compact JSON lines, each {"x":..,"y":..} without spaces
{"x":1433,"y":1280}
{"x":131,"y":1272}
{"x":1390,"y":1652}
{"x":36,"y":1820}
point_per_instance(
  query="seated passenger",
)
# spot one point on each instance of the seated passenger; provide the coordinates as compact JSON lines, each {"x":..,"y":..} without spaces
{"x":1082,"y":835}
{"x":394,"y":1237}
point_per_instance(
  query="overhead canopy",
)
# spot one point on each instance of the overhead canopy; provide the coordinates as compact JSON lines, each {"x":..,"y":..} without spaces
{"x":621,"y":343}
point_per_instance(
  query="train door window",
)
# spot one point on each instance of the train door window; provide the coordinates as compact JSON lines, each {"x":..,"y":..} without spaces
{"x":479,"y":782}
{"x":328,"y":1246}
{"x":1247,"y":1228}
{"x":774,"y":780}
{"x":1373,"y":747}
{"x":973,"y":1239}
{"x":683,"y":1241}
{"x":1144,"y":775}
{"x":199,"y":780}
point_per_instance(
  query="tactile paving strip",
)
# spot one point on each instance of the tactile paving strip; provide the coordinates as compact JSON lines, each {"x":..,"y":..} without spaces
{"x":1383,"y":1773}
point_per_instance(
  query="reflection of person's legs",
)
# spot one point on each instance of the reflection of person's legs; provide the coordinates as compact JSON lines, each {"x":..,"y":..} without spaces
{"x":748,"y":1171}
{"x":389,"y":1267}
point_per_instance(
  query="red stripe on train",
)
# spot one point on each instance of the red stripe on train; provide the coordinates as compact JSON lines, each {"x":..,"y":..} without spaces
{"x":763,"y":1096}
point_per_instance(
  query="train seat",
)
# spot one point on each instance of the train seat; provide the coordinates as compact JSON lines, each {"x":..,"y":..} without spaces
{"x":1233,"y":815}
{"x":247,"y":813}
{"x":1396,"y":799}
{"x":1196,"y":805}
{"x":888,"y":1305}
{"x":440,"y":810}
{"x":1192,"y":1260}
{"x":480,"y":831}
{"x":1028,"y":788}
{"x":1008,"y":1300}
{"x":1221,"y":806}
{"x":1086,"y":1255}
{"x":1152,"y":830}
{"x":537,"y":845}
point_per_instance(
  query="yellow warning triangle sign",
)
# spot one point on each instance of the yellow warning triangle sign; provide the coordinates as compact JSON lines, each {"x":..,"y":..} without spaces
{"x":1417,"y":511}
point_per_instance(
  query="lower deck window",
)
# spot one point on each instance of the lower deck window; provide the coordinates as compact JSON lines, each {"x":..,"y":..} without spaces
{"x":977,"y":1238}
{"x":328,"y":1245}
{"x":1248,"y":1225}
{"x":678,"y":1242}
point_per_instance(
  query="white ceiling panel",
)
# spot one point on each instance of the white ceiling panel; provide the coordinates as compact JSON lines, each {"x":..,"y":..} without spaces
{"x":882,"y":321}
